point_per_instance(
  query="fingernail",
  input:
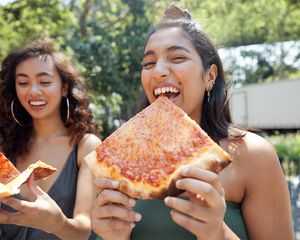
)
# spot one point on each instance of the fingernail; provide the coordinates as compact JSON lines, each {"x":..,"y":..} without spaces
{"x":132,"y":225}
{"x":131,"y":202}
{"x":166,"y":200}
{"x":184,"y":171}
{"x":115,"y":183}
{"x":137,"y":217}
{"x":177,"y":183}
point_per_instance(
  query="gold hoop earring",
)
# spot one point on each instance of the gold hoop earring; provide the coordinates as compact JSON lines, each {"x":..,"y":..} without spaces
{"x":13,"y":115}
{"x":68,"y":111}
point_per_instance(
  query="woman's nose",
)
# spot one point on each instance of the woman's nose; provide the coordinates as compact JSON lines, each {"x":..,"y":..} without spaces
{"x":161,"y":70}
{"x":35,"y":89}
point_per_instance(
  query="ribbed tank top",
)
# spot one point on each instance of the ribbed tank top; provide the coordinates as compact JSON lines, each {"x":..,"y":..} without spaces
{"x":157,"y":224}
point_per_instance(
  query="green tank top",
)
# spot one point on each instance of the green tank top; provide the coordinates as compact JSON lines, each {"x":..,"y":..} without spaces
{"x":157,"y":224}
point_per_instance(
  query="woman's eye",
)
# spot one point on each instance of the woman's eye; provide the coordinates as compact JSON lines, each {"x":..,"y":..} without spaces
{"x":45,"y":83}
{"x":179,"y":59}
{"x":148,"y":64}
{"x":22,"y":84}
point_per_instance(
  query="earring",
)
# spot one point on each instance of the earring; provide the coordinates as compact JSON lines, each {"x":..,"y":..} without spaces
{"x":208,"y":91}
{"x":208,"y":95}
{"x":68,"y":111}
{"x":13,"y":115}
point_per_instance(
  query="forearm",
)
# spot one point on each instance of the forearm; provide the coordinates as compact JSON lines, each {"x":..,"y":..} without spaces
{"x":75,"y":228}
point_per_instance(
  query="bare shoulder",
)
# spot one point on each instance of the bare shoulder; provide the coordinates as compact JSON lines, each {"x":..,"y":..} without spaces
{"x":253,"y":150}
{"x":257,"y":149}
{"x":88,"y":143}
{"x":256,"y":158}
{"x":266,"y":208}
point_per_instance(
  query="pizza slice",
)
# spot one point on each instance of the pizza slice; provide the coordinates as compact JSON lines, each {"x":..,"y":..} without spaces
{"x":11,"y":179}
{"x":147,"y":153}
{"x":7,"y":170}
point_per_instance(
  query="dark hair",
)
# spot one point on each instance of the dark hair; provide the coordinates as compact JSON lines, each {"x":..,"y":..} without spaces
{"x":15,"y":139}
{"x":216,"y":118}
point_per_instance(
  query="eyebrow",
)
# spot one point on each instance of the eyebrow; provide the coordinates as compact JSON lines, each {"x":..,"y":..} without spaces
{"x":169,"y":49}
{"x":37,"y":75}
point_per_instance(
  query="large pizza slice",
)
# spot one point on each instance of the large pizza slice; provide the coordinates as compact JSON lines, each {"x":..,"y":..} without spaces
{"x":11,"y":179}
{"x":146,"y":153}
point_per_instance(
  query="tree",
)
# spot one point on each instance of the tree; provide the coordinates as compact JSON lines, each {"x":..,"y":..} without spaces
{"x":109,"y":46}
{"x":24,"y":20}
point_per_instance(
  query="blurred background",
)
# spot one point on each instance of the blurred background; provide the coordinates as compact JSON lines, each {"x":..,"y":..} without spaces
{"x":258,"y":41}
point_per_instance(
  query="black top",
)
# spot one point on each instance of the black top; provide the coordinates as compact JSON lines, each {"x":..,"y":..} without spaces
{"x":63,"y":192}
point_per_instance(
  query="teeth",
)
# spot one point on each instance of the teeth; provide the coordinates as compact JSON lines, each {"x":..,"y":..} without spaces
{"x":37,"y":103}
{"x":158,"y":91}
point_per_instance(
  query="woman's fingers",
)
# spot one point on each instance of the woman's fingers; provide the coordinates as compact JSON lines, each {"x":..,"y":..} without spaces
{"x":202,"y":190}
{"x":34,"y":188}
{"x":195,"y":226}
{"x":205,"y":176}
{"x":117,"y":211}
{"x":111,"y":203}
{"x":108,"y":195}
{"x":6,"y":217}
{"x":197,"y":211}
{"x":19,"y":205}
{"x":103,"y":183}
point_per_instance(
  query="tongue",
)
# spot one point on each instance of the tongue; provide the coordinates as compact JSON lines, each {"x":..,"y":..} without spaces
{"x":170,"y":95}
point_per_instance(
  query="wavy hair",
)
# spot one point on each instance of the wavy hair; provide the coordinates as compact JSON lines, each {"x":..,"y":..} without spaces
{"x":216,"y":117}
{"x":15,"y":139}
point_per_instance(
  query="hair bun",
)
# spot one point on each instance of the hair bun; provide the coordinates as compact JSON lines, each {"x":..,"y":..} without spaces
{"x":174,"y":12}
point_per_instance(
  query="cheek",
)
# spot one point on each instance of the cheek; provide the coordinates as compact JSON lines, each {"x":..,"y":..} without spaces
{"x":145,"y":81}
{"x":20,"y":93}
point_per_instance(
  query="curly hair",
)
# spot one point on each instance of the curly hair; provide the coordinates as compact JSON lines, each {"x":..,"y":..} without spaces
{"x":15,"y":139}
{"x":216,"y":120}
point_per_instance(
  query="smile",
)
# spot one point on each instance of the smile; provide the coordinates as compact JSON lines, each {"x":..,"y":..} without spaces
{"x":38,"y":103}
{"x":169,"y":92}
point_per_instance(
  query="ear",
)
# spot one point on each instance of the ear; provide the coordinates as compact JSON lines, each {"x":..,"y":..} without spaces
{"x":211,"y":76}
{"x":65,"y":89}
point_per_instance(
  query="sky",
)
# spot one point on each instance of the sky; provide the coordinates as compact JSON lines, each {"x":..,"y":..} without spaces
{"x":3,"y":2}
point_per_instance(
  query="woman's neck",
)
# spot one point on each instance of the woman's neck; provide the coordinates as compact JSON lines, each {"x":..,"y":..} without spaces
{"x":46,"y":130}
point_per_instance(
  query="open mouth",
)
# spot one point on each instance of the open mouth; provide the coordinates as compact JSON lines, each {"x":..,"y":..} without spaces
{"x":38,"y":103}
{"x":169,"y":92}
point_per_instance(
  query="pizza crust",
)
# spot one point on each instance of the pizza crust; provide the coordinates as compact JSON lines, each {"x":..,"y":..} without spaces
{"x":40,"y":170}
{"x":214,"y":159}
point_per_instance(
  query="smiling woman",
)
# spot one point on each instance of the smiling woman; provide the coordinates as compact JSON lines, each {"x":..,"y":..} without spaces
{"x":44,"y":115}
{"x":181,"y":63}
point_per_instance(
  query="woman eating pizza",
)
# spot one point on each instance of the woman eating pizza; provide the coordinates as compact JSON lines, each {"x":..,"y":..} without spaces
{"x":249,"y":199}
{"x":44,"y":115}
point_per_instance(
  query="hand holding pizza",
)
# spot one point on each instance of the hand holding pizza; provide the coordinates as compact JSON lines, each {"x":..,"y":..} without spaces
{"x":202,"y":213}
{"x":112,"y":214}
{"x":43,"y":213}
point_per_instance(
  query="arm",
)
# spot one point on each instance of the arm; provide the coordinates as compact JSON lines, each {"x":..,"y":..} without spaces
{"x":266,"y":206}
{"x":53,"y":220}
{"x":79,"y":227}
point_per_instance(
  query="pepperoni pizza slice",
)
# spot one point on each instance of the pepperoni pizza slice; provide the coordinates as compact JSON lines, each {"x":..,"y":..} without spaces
{"x":147,"y":153}
{"x":11,"y":179}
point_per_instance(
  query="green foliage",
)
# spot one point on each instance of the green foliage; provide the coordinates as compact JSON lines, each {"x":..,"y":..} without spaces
{"x":106,"y":37}
{"x":288,"y":149}
{"x":110,"y":53}
{"x":25,"y":20}
{"x":233,"y":23}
